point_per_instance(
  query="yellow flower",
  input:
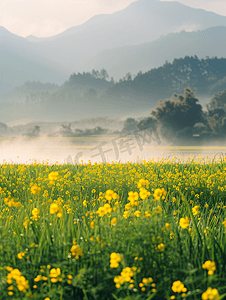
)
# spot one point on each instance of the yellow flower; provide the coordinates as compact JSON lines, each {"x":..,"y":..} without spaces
{"x":109,"y":194}
{"x":20,"y":255}
{"x":167,"y":225}
{"x":54,"y":273}
{"x":158,"y":193}
{"x":142,"y":182}
{"x":147,"y":214}
{"x":133,"y":196}
{"x":101,"y":211}
{"x":37,"y":278}
{"x":144,"y":193}
{"x":35,"y":213}
{"x":92,"y":224}
{"x":195,"y":210}
{"x":137,"y":213}
{"x":177,"y":286}
{"x":161,"y":247}
{"x":113,"y":221}
{"x":145,"y":281}
{"x":107,"y":208}
{"x":11,"y":288}
{"x":54,"y":208}
{"x":184,"y":222}
{"x":224,"y":223}
{"x":35,"y":189}
{"x":211,"y":294}
{"x":76,"y":251}
{"x":125,"y":214}
{"x":53,"y":176}
{"x":115,"y":258}
{"x":210,"y":266}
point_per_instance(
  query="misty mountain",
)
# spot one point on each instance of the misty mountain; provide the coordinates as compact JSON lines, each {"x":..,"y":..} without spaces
{"x":29,"y":91}
{"x":204,"y":76}
{"x":141,"y":22}
{"x":91,"y":95}
{"x":146,"y":56}
{"x":20,"y":61}
{"x":74,"y":50}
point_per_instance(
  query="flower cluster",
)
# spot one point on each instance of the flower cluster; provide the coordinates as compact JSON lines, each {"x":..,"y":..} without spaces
{"x":115,"y":258}
{"x":10,"y":202}
{"x":125,"y":276}
{"x":35,"y":189}
{"x":145,"y":282}
{"x":184,"y":222}
{"x":42,"y":277}
{"x":22,"y":283}
{"x":109,"y":195}
{"x":20,"y":255}
{"x":178,"y":287}
{"x":195,"y":210}
{"x":76,"y":251}
{"x":35,"y":213}
{"x":210,"y":266}
{"x":53,"y":176}
{"x":142,"y":182}
{"x":161,"y":247}
{"x":55,"y":208}
{"x":211,"y":294}
{"x":133,"y":200}
{"x":113,"y":221}
{"x":54,"y":275}
{"x":144,"y":193}
{"x":160,"y":194}
{"x":103,"y":210}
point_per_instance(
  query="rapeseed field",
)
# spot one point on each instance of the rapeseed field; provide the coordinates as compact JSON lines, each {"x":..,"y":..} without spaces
{"x":147,"y":230}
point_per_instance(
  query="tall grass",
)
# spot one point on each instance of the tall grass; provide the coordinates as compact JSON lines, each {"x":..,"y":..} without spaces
{"x":64,"y":251}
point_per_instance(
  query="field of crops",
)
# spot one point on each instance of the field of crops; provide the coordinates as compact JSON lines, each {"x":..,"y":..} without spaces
{"x":146,"y":230}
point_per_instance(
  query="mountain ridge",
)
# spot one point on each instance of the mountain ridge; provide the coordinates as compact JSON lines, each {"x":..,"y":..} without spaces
{"x":74,"y":49}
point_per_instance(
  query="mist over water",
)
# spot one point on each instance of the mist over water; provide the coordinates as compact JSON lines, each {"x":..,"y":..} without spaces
{"x":102,"y":149}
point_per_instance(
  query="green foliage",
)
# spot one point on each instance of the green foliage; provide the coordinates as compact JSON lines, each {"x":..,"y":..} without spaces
{"x":180,"y":113}
{"x":204,"y":76}
{"x":218,"y":100}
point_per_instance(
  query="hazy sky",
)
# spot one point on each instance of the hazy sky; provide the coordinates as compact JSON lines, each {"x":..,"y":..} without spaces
{"x":44,"y":18}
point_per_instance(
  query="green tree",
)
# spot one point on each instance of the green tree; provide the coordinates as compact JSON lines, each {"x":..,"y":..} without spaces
{"x":218,"y":101}
{"x":181,"y":112}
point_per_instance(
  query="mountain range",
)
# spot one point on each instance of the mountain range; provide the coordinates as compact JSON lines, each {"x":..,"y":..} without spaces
{"x":139,"y":37}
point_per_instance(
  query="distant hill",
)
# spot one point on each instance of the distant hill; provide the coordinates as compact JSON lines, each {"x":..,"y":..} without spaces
{"x":147,"y":56}
{"x":28,"y":90}
{"x":91,"y":95}
{"x":20,"y":62}
{"x":141,"y":22}
{"x":204,"y":76}
{"x":54,"y":59}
